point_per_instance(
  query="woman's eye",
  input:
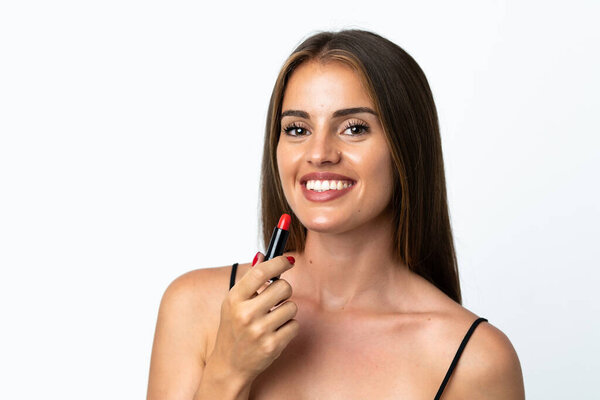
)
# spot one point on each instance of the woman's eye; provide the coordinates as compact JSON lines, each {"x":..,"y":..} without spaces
{"x":352,"y":129}
{"x":357,"y":129}
{"x":294,"y":130}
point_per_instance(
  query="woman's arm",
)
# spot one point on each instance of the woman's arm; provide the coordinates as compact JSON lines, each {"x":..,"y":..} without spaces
{"x":252,"y":330}
{"x":177,"y":362}
{"x":178,"y":369}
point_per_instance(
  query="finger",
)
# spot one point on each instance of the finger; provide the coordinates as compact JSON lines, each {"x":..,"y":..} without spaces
{"x":260,"y":290}
{"x":258,"y":258}
{"x":263,"y":287}
{"x":279,"y":316}
{"x":260,"y":274}
{"x":275,"y":293}
{"x":286,"y":333}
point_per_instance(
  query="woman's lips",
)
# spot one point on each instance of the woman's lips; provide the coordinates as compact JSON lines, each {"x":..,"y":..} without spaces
{"x":327,"y":195}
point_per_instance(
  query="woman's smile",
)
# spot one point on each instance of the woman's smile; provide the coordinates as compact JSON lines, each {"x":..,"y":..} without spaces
{"x":325,"y":186}
{"x":325,"y":190}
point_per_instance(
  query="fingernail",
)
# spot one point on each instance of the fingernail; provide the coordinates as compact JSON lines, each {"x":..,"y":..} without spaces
{"x":291,"y":259}
{"x":255,"y":258}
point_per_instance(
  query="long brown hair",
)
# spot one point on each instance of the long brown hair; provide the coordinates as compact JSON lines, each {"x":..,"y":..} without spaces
{"x":403,"y":100}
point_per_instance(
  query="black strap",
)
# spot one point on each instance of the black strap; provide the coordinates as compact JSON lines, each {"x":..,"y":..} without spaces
{"x":457,"y":356}
{"x":232,"y":277}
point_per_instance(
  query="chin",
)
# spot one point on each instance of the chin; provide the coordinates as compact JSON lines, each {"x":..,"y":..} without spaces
{"x":325,"y":224}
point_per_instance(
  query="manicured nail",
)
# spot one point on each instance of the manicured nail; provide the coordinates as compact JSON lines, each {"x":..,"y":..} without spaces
{"x":291,"y":259}
{"x":255,"y":258}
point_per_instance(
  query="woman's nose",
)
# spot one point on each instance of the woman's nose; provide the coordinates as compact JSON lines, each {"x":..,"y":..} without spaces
{"x":322,"y":149}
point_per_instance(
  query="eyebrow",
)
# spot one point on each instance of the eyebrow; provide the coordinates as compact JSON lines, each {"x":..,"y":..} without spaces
{"x":339,"y":113}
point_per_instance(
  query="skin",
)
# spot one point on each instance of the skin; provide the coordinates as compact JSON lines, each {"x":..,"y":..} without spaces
{"x":354,"y":323}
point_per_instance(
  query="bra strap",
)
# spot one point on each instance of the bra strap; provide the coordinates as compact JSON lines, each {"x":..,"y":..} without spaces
{"x":457,"y":356}
{"x":232,"y":277}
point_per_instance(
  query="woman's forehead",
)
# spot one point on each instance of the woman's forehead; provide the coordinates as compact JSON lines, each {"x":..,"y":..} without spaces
{"x":325,"y":86}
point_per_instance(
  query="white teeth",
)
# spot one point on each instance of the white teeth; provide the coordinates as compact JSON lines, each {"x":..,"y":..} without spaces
{"x":321,"y":186}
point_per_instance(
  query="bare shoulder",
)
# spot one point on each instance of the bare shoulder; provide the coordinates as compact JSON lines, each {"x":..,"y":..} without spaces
{"x":198,"y":287}
{"x":195,"y":292}
{"x":195,"y":298}
{"x":189,"y":311}
{"x":488,"y":368}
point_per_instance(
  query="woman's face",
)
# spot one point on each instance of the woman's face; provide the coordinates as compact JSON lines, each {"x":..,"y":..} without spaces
{"x":319,"y":134}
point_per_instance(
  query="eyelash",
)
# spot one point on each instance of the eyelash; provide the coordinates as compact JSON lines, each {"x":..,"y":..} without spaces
{"x":350,"y":124}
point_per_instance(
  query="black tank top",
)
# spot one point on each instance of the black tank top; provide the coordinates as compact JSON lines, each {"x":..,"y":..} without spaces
{"x":456,"y":356}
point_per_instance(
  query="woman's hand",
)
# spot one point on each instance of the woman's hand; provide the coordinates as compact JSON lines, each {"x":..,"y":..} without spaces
{"x":252,"y":333}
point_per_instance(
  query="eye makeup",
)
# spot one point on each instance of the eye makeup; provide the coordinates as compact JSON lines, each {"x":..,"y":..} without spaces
{"x":352,"y":124}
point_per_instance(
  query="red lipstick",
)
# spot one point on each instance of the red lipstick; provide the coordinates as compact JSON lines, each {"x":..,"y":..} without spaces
{"x":278,"y":239}
{"x":284,"y":222}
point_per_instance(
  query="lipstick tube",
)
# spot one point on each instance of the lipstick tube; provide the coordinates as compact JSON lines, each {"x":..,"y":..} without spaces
{"x":278,"y":240}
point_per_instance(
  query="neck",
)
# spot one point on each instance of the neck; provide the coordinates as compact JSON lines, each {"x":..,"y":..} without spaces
{"x":353,"y":269}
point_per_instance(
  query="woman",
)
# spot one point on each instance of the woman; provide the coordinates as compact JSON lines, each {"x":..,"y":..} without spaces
{"x":368,"y":305}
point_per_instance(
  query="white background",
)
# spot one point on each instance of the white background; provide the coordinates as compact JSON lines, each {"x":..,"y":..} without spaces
{"x":130,"y":148}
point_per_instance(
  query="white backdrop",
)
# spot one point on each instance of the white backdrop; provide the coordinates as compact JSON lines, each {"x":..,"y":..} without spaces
{"x":130,"y":147}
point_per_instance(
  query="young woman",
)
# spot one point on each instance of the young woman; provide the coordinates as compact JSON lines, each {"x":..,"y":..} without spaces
{"x":368,"y":305}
